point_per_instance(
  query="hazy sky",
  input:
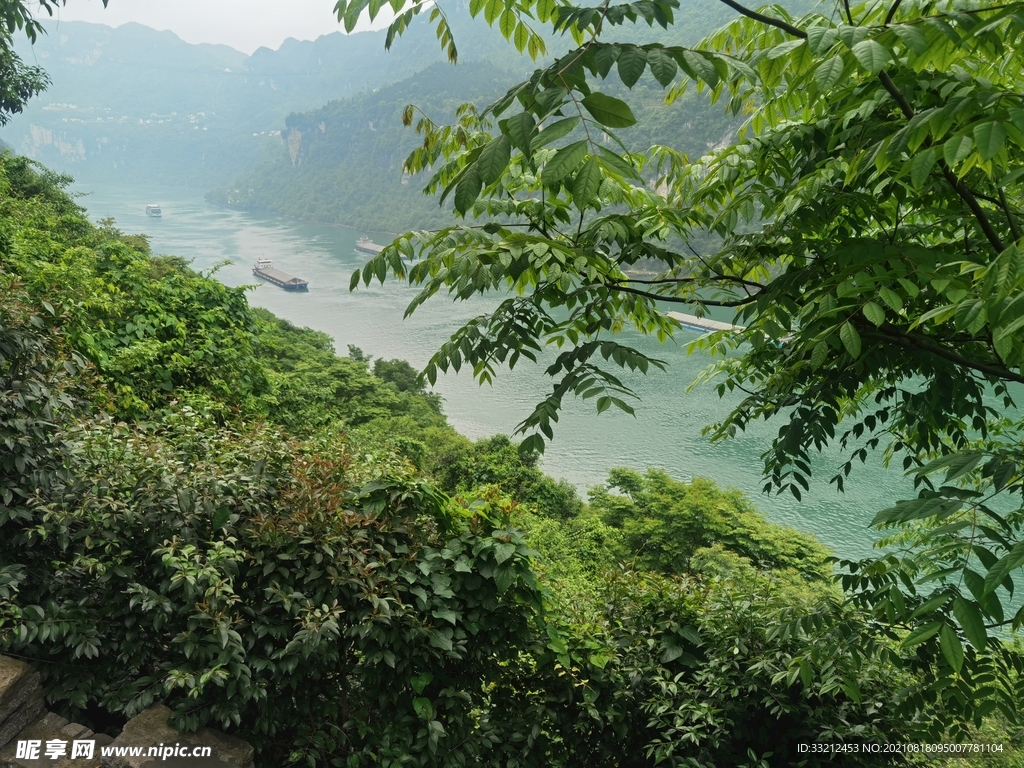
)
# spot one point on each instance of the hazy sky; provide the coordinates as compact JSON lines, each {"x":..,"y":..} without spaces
{"x":242,"y":24}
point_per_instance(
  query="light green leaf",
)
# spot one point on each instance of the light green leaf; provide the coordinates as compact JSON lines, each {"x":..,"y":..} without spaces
{"x":780,"y":50}
{"x":851,"y":339}
{"x":871,"y":55}
{"x":492,"y":10}
{"x":828,"y":73}
{"x":989,"y":138}
{"x":821,"y":38}
{"x":912,"y":37}
{"x":507,"y":25}
{"x":952,"y":649}
{"x":565,"y":161}
{"x":956,"y":149}
{"x":521,"y":37}
{"x":874,"y":313}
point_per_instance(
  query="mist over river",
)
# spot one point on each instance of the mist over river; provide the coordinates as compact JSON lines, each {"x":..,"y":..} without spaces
{"x":666,"y":432}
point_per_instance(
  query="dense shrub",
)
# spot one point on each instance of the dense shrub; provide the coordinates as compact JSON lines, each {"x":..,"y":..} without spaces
{"x":664,"y":522}
{"x":276,"y":588}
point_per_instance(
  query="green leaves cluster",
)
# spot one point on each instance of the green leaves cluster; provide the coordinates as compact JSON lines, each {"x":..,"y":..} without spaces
{"x":865,"y":227}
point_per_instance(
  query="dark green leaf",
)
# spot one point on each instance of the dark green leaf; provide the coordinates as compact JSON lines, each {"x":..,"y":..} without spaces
{"x":565,"y":161}
{"x":468,"y":190}
{"x":971,"y":622}
{"x":493,"y":160}
{"x":632,"y":62}
{"x":952,"y":649}
{"x":609,"y":111}
{"x":554,"y":132}
{"x":586,"y":184}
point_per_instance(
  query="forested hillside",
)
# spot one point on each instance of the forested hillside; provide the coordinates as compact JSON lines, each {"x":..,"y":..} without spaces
{"x":294,"y":546}
{"x":138,"y":105}
{"x":342,"y":163}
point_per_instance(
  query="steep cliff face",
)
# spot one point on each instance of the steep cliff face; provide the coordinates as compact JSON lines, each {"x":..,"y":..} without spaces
{"x":343,"y":163}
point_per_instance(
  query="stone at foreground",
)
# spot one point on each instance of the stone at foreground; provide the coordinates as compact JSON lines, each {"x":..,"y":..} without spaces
{"x":21,"y":697}
{"x":150,"y":729}
{"x":50,"y":727}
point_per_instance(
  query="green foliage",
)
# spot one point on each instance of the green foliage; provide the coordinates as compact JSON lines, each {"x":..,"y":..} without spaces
{"x":664,"y":523}
{"x":317,"y":595}
{"x":311,"y":387}
{"x":459,"y":466}
{"x":865,"y":229}
{"x":150,"y":326}
{"x":18,"y":82}
{"x":278,"y":588}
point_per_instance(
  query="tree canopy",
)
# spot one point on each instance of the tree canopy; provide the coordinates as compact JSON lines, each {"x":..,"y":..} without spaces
{"x":864,"y":227}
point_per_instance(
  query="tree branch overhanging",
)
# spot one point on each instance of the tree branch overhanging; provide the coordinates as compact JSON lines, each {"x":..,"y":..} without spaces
{"x":612,"y":286}
{"x":958,"y":186}
{"x":893,"y":335}
{"x":771,"y":21}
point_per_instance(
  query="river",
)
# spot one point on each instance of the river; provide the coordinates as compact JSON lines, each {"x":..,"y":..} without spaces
{"x":666,"y":431}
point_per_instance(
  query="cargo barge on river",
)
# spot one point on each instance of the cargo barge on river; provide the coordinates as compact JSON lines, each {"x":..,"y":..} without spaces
{"x":366,"y":245}
{"x":264,"y":268}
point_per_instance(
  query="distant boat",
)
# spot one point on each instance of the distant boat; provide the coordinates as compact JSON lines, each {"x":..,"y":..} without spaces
{"x":366,"y":245}
{"x":265,"y":268}
{"x":154,"y":210}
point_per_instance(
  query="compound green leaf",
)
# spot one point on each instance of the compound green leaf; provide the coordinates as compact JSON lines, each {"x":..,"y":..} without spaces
{"x":956,"y":149}
{"x":971,"y":621}
{"x":921,"y":167}
{"x":554,"y":132}
{"x":663,"y":66}
{"x":468,"y":190}
{"x":631,"y":63}
{"x":874,"y":313}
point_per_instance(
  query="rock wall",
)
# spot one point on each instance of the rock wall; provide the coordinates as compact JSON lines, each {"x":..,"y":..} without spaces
{"x":31,"y":737}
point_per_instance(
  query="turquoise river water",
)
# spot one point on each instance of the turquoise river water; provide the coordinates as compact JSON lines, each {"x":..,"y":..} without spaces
{"x":666,"y":432}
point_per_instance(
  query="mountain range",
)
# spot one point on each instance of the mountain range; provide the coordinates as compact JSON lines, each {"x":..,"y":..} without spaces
{"x":311,"y":130}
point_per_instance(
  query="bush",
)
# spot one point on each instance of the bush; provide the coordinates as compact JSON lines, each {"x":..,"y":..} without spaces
{"x":320,"y":607}
{"x":664,"y":522}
